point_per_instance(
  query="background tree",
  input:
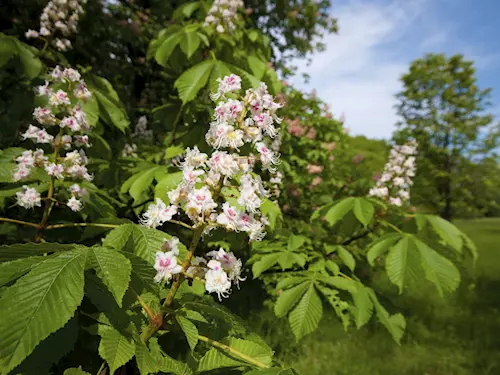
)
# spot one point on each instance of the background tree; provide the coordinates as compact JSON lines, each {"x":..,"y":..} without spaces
{"x":443,"y":108}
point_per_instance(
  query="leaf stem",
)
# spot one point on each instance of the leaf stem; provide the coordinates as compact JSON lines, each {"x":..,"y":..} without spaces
{"x":155,"y":326}
{"x":34,"y":225}
{"x":181,"y":224}
{"x":393,"y":226}
{"x":228,"y":349}
{"x":69,"y":225}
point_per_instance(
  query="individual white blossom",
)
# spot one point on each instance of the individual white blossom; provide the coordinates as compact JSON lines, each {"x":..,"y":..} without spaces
{"x":157,"y":214}
{"x":75,"y":204}
{"x":141,"y":129}
{"x":28,"y":197}
{"x":55,"y":170}
{"x":129,"y":151}
{"x":217,"y":280}
{"x":229,"y":263}
{"x":166,"y":266}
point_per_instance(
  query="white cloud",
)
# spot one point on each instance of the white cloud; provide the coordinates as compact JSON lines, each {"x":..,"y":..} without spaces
{"x":359,"y":72}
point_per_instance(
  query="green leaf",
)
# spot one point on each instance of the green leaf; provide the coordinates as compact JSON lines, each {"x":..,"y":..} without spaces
{"x":30,"y":62}
{"x":449,"y":233}
{"x":114,"y":270}
{"x":295,"y":242}
{"x":142,"y":183}
{"x":12,"y":270}
{"x":166,"y":48}
{"x":346,"y":257}
{"x":144,"y":242}
{"x":190,"y":43}
{"x":339,"y":210}
{"x":403,"y":263}
{"x":168,"y":183}
{"x":264,"y":263}
{"x":363,"y":210}
{"x":395,"y":324}
{"x":257,"y":66}
{"x":272,"y":212}
{"x":76,"y":371}
{"x":91,"y":109}
{"x":115,"y":349}
{"x":333,"y":267}
{"x":193,"y":80}
{"x":364,"y":307}
{"x":24,"y":250}
{"x":382,"y":245}
{"x":216,"y":358}
{"x":289,"y":298}
{"x":8,"y":49}
{"x":189,"y":330}
{"x":166,"y":363}
{"x":145,"y":361}
{"x":305,"y":318}
{"x":341,"y":283}
{"x":438,"y":270}
{"x":39,"y":303}
{"x":142,"y":276}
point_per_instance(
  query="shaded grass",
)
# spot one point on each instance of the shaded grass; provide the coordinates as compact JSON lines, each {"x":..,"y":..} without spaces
{"x":455,"y":336}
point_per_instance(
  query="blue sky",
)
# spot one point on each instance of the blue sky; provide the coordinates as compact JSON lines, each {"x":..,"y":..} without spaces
{"x":359,"y":72}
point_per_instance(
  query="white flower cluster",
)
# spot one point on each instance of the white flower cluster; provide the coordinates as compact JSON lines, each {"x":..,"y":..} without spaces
{"x":222,"y":14}
{"x":219,"y":272}
{"x":70,"y":122}
{"x":276,"y":181}
{"x":141,"y":129}
{"x":59,"y":19}
{"x":236,"y":123}
{"x":396,"y":180}
{"x":129,"y":151}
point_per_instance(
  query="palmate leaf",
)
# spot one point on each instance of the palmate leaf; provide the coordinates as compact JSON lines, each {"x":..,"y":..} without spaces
{"x":305,"y":318}
{"x":289,"y":298}
{"x":115,"y":348}
{"x":382,"y":245}
{"x":114,"y":270}
{"x":449,"y":233}
{"x":193,"y":80}
{"x":190,"y":43}
{"x":39,"y":303}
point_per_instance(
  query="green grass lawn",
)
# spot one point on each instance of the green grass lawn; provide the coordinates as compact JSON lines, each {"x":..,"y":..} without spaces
{"x":456,"y":336}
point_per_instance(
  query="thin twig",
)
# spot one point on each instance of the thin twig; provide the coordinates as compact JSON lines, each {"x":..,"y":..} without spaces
{"x":34,"y":225}
{"x":228,"y":349}
{"x":69,"y":225}
{"x":180,"y":223}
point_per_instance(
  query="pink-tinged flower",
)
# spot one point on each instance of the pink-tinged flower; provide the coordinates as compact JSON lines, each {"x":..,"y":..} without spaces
{"x":311,"y":134}
{"x":172,"y":245}
{"x":81,"y":92}
{"x":78,"y":191}
{"x":396,"y":201}
{"x":265,"y":122}
{"x":224,"y":163}
{"x":166,"y":266}
{"x":316,"y":181}
{"x":75,"y":204}
{"x":82,"y":141}
{"x":71,"y":123}
{"x":44,"y":31}
{"x":64,"y":141}
{"x":191,"y":177}
{"x":28,"y":197}
{"x":71,"y":75}
{"x":227,"y":84}
{"x":249,"y":199}
{"x":21,"y":172}
{"x":55,"y":170}
{"x":229,"y":218}
{"x":43,"y":90}
{"x":216,"y":280}
{"x":229,"y":263}
{"x":229,"y":111}
{"x":314,"y":168}
{"x":31,"y":34}
{"x":59,"y":98}
{"x":267,"y":156}
{"x":157,"y":214}
{"x":194,"y":158}
{"x":44,"y":116}
{"x":57,"y":73}
{"x":200,"y":202}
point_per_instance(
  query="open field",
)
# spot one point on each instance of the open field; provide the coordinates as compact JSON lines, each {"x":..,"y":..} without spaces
{"x":457,"y":336}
